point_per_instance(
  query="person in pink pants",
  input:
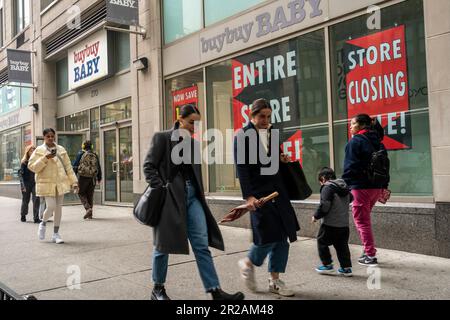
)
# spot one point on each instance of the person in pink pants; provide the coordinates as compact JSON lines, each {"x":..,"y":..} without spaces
{"x":367,"y":136}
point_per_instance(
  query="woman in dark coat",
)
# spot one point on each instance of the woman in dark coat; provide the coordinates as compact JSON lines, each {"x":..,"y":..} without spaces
{"x":28,"y":187}
{"x":185,"y":214}
{"x":274,"y":223}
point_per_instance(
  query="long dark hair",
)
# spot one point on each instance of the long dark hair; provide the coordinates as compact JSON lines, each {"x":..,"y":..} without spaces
{"x":187,"y":110}
{"x":366,"y":122}
{"x":48,"y":130}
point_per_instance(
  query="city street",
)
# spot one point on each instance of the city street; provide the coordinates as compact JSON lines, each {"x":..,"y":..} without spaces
{"x":113,"y":254}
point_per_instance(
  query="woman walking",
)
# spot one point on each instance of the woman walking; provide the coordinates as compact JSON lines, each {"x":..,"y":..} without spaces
{"x":54,"y":178}
{"x":185,"y":214}
{"x":28,"y":187}
{"x":367,"y":136}
{"x":274,"y":223}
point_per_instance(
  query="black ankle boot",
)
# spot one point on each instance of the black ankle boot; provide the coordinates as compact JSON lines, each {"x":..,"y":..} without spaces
{"x":159,"y":293}
{"x":219,"y":294}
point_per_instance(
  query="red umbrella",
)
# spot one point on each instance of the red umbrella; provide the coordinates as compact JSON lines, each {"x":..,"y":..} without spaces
{"x":238,"y":212}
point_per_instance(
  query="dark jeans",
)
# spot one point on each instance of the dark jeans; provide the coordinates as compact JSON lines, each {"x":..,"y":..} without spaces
{"x":338,"y":238}
{"x":30,"y":193}
{"x":86,"y":193}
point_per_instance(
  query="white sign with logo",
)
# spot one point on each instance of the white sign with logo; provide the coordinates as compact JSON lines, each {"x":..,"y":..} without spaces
{"x":88,"y":61}
{"x":15,"y":119}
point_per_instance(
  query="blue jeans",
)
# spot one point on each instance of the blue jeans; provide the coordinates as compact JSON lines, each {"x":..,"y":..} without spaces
{"x":278,"y":253}
{"x":197,"y":230}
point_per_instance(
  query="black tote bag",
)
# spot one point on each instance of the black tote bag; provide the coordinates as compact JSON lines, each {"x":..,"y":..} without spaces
{"x":295,"y":181}
{"x":149,"y":206}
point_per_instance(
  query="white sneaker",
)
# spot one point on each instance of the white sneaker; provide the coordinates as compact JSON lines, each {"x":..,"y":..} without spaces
{"x":57,"y":238}
{"x":41,"y":231}
{"x":279,"y":287}
{"x":248,"y":275}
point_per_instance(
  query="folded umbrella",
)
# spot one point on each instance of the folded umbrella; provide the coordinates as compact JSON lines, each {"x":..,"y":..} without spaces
{"x":239,"y":211}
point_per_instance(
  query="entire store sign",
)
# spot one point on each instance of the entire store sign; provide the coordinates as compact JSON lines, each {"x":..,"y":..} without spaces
{"x":377,"y":83}
{"x":270,"y":73}
{"x":88,"y":61}
{"x":183,"y":97}
{"x":19,"y":66}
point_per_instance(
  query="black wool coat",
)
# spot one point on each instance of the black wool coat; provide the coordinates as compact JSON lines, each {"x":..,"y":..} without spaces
{"x":170,"y":235}
{"x":276,"y":220}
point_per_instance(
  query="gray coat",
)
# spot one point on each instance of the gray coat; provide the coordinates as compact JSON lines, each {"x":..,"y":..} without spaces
{"x":170,"y":235}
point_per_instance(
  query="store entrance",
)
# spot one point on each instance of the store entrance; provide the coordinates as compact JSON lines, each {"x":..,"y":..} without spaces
{"x":118,"y":165}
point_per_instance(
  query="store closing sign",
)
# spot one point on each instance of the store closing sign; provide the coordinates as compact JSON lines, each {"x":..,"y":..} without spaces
{"x":19,"y":66}
{"x":182,"y":97}
{"x":270,"y":73}
{"x":88,"y":61}
{"x":377,"y":83}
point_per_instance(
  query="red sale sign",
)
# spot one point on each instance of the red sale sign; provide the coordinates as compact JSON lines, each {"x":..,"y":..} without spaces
{"x":377,"y":83}
{"x":293,"y":147}
{"x":183,"y":97}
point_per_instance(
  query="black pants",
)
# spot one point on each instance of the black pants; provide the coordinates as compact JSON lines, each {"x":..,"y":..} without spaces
{"x":86,"y":193}
{"x":30,"y":193}
{"x":338,"y":238}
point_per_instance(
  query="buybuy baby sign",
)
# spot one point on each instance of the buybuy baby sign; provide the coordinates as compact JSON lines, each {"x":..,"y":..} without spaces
{"x":88,"y":61}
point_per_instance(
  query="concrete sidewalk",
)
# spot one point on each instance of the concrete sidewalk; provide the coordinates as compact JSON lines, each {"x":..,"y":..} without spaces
{"x":113,"y":254}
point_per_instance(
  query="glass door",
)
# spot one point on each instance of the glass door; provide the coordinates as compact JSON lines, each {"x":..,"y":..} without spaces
{"x":118,"y":164}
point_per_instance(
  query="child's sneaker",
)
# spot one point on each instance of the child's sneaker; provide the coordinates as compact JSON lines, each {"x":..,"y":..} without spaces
{"x":368,"y":261}
{"x":346,"y":272}
{"x":325,"y":269}
{"x":279,"y":287}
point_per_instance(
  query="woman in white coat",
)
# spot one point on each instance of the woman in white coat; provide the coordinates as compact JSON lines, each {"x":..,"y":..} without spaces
{"x":54,"y":178}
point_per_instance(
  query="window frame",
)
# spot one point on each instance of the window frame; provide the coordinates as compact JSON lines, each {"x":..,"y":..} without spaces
{"x":16,"y":19}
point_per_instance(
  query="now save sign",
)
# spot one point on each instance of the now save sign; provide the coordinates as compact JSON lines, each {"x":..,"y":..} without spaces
{"x":88,"y":61}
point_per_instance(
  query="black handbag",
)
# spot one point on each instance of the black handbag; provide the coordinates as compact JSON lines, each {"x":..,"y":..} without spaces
{"x":295,"y":181}
{"x":149,"y":206}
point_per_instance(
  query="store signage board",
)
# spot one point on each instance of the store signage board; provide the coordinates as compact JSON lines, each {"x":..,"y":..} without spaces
{"x":19,"y":66}
{"x":377,"y":83}
{"x":125,"y":12}
{"x":88,"y":61}
{"x":261,"y":25}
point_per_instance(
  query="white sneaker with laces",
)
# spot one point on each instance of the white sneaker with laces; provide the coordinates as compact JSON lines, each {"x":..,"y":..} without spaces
{"x":41,"y":231}
{"x":247,"y":274}
{"x":57,"y":238}
{"x":279,"y":287}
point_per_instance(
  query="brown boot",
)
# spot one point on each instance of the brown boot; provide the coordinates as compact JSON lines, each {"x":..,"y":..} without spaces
{"x":88,"y":214}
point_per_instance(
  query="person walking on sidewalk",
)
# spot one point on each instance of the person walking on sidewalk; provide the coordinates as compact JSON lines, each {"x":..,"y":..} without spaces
{"x":185,"y":214}
{"x":359,"y":154}
{"x":335,"y":199}
{"x":87,"y":167}
{"x":28,"y":187}
{"x":274,"y":223}
{"x":54,"y":178}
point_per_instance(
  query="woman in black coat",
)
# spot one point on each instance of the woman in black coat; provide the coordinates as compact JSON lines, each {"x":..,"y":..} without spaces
{"x":185,"y":214}
{"x":28,"y":187}
{"x":274,"y":223}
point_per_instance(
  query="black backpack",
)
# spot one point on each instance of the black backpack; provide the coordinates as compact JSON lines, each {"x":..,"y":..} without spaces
{"x":378,"y":168}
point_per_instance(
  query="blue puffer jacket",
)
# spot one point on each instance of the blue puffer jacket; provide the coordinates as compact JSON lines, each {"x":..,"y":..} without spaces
{"x":357,"y":156}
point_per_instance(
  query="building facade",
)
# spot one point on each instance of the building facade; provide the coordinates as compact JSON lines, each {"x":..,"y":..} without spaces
{"x":319,"y":62}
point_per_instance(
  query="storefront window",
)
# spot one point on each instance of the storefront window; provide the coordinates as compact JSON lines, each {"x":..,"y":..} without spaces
{"x":122,"y":51}
{"x":116,"y":111}
{"x":383,"y":73}
{"x":10,"y":98}
{"x":10,"y":154}
{"x":62,"y":77}
{"x":60,"y":124}
{"x":296,"y":89}
{"x":77,"y":121}
{"x":216,"y":10}
{"x":181,"y":17}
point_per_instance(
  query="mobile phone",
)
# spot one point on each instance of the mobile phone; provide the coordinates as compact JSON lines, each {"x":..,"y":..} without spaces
{"x":53,"y":152}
